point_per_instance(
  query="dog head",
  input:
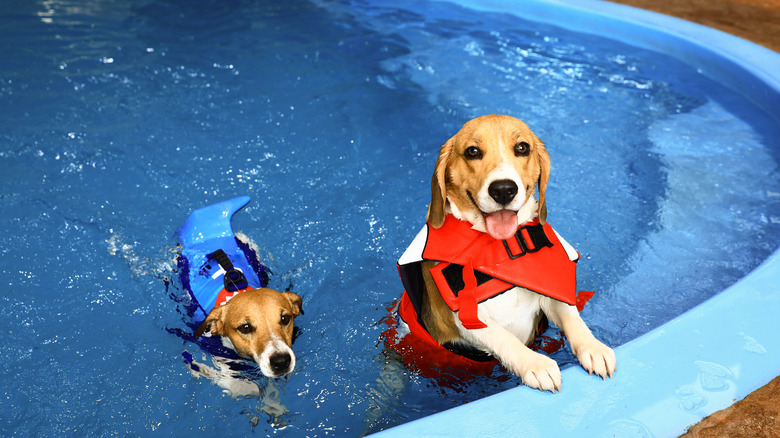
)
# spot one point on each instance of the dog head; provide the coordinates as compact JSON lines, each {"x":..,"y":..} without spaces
{"x":258,"y":324}
{"x":487,"y":174}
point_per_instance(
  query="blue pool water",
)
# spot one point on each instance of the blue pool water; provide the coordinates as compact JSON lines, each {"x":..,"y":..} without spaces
{"x":119,"y":118}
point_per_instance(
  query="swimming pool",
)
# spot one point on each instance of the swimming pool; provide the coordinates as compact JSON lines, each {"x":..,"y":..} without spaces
{"x":119,"y":118}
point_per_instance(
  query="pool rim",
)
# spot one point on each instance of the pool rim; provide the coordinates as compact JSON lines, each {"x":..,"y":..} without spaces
{"x":703,"y":360}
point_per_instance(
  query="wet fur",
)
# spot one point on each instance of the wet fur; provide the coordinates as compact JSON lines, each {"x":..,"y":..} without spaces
{"x":258,"y":324}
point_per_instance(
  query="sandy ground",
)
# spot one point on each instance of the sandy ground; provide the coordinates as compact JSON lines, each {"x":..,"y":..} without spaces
{"x":758,"y":414}
{"x":754,"y":20}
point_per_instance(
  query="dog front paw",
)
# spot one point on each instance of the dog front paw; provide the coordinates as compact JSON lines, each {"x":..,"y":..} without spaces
{"x":540,"y":372}
{"x":596,"y":358}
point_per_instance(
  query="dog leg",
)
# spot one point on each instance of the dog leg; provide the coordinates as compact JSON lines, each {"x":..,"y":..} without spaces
{"x":272,"y":404}
{"x":535,"y":370}
{"x":222,"y":376}
{"x":593,"y":355}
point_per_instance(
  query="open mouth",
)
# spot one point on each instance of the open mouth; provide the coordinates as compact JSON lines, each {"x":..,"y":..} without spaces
{"x":500,"y":224}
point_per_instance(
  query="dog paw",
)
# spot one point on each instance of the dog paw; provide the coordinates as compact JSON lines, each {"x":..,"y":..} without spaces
{"x":596,"y":358}
{"x":540,"y":372}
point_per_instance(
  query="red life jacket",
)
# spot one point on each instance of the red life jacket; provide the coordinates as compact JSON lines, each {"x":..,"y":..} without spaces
{"x":490,"y":267}
{"x":225,"y":295}
{"x":475,"y":267}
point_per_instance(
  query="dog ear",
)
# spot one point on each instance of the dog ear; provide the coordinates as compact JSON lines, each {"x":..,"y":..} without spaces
{"x":544,"y":176}
{"x":213,"y":323}
{"x":296,"y":301}
{"x":437,"y":207}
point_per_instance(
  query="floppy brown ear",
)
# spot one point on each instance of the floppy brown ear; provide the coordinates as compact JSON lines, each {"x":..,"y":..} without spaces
{"x":213,"y":323}
{"x":296,"y":301}
{"x":437,"y":207}
{"x":544,"y":176}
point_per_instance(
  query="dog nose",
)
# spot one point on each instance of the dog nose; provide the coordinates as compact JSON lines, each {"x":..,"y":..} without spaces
{"x":280,"y":362}
{"x":502,"y":191}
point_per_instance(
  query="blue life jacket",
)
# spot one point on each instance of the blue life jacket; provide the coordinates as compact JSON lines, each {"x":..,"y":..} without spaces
{"x":213,"y":261}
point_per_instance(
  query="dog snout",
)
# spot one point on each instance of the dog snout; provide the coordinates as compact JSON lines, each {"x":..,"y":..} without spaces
{"x":502,"y":191}
{"x":280,"y":363}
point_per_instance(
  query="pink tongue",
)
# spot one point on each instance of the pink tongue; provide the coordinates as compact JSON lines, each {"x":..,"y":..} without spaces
{"x":502,"y":224}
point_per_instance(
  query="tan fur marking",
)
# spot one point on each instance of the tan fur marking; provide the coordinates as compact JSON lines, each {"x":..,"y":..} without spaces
{"x":436,"y":315}
{"x":262,"y":309}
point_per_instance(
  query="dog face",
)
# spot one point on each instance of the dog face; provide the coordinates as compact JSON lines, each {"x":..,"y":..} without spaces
{"x":487,"y":174}
{"x":258,"y":324}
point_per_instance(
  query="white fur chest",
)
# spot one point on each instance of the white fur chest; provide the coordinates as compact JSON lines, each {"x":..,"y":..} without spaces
{"x":516,"y":310}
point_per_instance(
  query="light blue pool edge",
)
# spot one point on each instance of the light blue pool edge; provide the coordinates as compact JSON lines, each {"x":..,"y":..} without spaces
{"x":702,"y":361}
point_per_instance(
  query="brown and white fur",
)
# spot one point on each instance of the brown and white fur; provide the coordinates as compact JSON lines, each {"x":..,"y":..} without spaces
{"x":487,"y":174}
{"x":258,"y":325}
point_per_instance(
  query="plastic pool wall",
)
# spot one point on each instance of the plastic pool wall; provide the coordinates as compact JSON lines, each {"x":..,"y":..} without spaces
{"x":700,"y":362}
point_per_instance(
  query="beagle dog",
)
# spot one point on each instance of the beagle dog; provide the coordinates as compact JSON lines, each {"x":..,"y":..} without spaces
{"x":487,"y":176}
{"x":258,"y":325}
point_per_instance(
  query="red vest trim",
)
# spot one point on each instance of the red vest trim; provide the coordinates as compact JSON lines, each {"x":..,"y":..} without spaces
{"x":225,"y":295}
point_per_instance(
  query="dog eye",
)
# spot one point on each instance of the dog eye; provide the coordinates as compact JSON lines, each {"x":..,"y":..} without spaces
{"x":285,"y":319}
{"x":245,"y":328}
{"x":473,"y":153}
{"x":522,"y":149}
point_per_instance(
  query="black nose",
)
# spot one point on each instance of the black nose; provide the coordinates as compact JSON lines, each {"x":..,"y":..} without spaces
{"x":502,"y":191}
{"x":280,"y":362}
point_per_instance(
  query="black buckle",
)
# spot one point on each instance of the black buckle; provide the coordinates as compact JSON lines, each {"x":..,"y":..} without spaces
{"x":537,"y":239}
{"x":234,"y":279}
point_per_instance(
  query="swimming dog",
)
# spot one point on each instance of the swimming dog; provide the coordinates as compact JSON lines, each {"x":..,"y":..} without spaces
{"x":487,"y":265}
{"x":253,"y":327}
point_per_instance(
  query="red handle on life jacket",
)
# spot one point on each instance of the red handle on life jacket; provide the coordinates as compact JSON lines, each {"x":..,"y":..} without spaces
{"x":468,"y":300}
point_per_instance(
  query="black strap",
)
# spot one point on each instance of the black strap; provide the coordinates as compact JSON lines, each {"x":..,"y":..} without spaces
{"x":536,"y":236}
{"x":453,"y":274}
{"x":234,"y":279}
